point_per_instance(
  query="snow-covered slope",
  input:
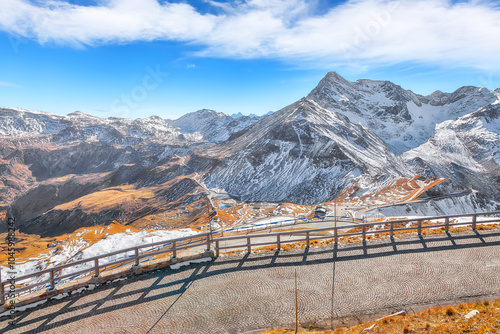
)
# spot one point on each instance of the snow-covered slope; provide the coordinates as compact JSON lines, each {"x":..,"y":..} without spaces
{"x":443,"y":206}
{"x":78,"y":246}
{"x":78,"y":127}
{"x":213,"y":126}
{"x":303,"y":154}
{"x":466,"y":150}
{"x":361,"y":135}
{"x":403,"y":119}
{"x":19,"y":122}
{"x":197,"y":121}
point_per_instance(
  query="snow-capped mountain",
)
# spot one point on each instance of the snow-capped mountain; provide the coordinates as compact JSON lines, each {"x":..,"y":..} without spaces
{"x":403,"y":119}
{"x":467,"y":150}
{"x":213,"y":126}
{"x":344,"y":137}
{"x":239,"y":114}
{"x":78,"y":127}
{"x":302,"y":153}
{"x":199,"y":120}
{"x":19,"y":122}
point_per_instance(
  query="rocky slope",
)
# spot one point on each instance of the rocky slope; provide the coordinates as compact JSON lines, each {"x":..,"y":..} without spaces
{"x":58,"y":173}
{"x":403,"y":119}
{"x":467,"y":150}
{"x":302,"y":153}
{"x":213,"y":126}
{"x":462,"y":204}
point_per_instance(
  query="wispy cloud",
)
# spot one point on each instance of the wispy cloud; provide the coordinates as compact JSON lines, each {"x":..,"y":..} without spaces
{"x":8,"y":84}
{"x":358,"y":32}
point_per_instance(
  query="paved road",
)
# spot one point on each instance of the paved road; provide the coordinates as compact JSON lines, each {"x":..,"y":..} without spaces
{"x":235,"y":294}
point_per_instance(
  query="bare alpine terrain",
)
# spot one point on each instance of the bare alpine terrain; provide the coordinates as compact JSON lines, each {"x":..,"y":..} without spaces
{"x":344,"y":141}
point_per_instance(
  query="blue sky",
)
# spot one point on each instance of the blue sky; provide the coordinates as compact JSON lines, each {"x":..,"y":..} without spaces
{"x":137,"y":58}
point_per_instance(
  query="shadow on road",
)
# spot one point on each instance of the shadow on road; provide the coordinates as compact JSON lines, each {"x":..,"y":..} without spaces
{"x":107,"y":298}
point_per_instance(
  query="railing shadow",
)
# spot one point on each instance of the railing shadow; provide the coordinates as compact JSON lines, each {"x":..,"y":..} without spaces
{"x":227,"y":264}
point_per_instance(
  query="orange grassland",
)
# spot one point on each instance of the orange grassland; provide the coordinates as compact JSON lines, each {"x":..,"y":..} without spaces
{"x":437,"y":320}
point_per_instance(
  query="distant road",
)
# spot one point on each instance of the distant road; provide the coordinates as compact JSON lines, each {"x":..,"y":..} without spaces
{"x":236,"y":293}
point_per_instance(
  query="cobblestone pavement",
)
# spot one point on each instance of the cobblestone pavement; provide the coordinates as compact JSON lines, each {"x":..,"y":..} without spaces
{"x":237,"y":293}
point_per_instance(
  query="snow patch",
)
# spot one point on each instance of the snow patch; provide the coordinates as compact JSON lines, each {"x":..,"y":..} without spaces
{"x":24,"y":308}
{"x":176,"y":266}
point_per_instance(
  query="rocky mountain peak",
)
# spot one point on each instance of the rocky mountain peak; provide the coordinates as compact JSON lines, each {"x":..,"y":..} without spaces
{"x":209,"y":113}
{"x":334,"y":77}
{"x":400,"y":117}
{"x":80,"y":114}
{"x":319,"y":146}
{"x":490,"y":114}
{"x":341,"y":135}
{"x":237,"y":115}
{"x":437,"y":98}
{"x":331,"y":90}
{"x":464,"y":95}
{"x":467,"y":91}
{"x":198,"y":120}
{"x":466,"y":150}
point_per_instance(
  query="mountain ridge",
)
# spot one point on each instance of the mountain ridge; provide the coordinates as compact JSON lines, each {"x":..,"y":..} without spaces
{"x":353,"y":138}
{"x":400,"y":117}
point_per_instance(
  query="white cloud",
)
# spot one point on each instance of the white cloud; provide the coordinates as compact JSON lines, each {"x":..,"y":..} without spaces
{"x":114,"y":21}
{"x":8,"y":84}
{"x":357,"y":32}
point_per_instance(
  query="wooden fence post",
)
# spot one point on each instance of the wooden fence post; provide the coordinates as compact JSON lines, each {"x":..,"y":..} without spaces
{"x":249,"y":245}
{"x":217,"y":248}
{"x":96,"y":270}
{"x":391,"y":232}
{"x":474,"y":222}
{"x":2,"y":291}
{"x":136,"y":250}
{"x":208,"y":243}
{"x":278,"y":242}
{"x":174,"y":250}
{"x":307,"y":240}
{"x":52,"y":283}
{"x":336,"y":234}
{"x":364,"y":232}
{"x":447,"y":224}
{"x":419,"y":228}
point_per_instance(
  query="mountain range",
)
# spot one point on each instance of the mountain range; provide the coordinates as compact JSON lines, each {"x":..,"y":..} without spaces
{"x":59,"y":173}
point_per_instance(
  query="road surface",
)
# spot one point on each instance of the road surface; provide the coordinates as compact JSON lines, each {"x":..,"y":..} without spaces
{"x":235,"y":294}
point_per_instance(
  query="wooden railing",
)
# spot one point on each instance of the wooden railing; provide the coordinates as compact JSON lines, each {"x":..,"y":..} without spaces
{"x":165,"y":246}
{"x":250,"y":241}
{"x":365,"y":229}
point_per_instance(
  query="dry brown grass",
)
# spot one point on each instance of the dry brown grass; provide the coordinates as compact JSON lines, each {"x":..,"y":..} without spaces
{"x":108,"y":199}
{"x":487,"y":227}
{"x":246,"y":212}
{"x":226,"y":217}
{"x":253,"y":211}
{"x":27,"y":246}
{"x":401,"y":190}
{"x":449,"y":319}
{"x":31,"y":246}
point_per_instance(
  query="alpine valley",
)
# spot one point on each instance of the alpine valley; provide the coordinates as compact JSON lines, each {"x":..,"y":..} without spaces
{"x":369,"y":145}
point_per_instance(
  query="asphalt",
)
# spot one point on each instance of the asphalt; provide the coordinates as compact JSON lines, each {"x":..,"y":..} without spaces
{"x":245,"y":293}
